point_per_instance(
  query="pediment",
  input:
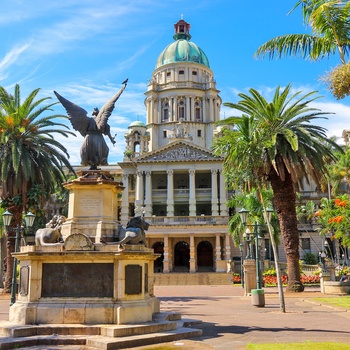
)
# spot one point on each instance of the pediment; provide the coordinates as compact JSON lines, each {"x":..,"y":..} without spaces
{"x":178,"y":151}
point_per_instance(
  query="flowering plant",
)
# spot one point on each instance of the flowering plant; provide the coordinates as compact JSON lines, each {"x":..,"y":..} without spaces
{"x":334,"y":218}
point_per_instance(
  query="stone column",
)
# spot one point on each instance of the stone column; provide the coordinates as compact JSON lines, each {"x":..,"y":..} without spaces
{"x":159,"y":111}
{"x":192,"y":254}
{"x":214,"y":193}
{"x":204,"y":109}
{"x":148,"y":195}
{"x":211,"y":110}
{"x":217,"y":247}
{"x":171,"y":118}
{"x":193,"y":114}
{"x":227,"y":247}
{"x":166,"y":254}
{"x":223,"y":195}
{"x":170,"y":188}
{"x":189,"y":115}
{"x":192,"y":199}
{"x":125,"y":201}
{"x":175,"y":112}
{"x":139,"y":193}
{"x":249,"y":275}
{"x":148,"y":110}
{"x":152,"y":110}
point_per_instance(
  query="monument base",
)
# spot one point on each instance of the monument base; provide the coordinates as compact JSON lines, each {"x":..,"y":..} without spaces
{"x":93,"y":205}
{"x":85,"y":283}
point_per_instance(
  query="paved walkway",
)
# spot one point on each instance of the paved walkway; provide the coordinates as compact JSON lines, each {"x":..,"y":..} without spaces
{"x":229,"y":321}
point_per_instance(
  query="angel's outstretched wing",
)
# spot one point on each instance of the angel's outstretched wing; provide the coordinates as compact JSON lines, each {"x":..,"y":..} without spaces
{"x":77,"y":115}
{"x":102,"y":118}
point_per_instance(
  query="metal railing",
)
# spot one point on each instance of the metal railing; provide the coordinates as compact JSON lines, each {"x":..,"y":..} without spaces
{"x":187,"y":220}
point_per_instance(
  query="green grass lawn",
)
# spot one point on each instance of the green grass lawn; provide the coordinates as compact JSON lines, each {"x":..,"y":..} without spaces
{"x":343,"y":301}
{"x":300,"y":346}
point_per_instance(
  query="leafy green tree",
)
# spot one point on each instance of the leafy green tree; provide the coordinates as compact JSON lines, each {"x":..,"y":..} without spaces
{"x":251,"y":202}
{"x":330,"y":34}
{"x":277,"y":142}
{"x":339,"y":173}
{"x":334,"y":218}
{"x":29,"y":154}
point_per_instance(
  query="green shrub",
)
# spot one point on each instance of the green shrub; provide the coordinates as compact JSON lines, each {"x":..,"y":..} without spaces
{"x":310,"y":259}
{"x":270,"y":272}
{"x":344,"y":270}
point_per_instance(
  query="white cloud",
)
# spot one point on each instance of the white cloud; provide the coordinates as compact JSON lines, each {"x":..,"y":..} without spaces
{"x":11,"y":57}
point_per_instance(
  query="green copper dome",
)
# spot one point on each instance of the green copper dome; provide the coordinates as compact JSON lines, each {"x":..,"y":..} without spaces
{"x":182,"y":50}
{"x":136,"y":124}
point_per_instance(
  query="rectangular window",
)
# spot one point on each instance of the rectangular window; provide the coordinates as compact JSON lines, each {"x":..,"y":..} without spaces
{"x":181,"y":72}
{"x":164,"y":133}
{"x":199,"y":133}
{"x":168,"y":74}
{"x":181,"y":112}
{"x":306,"y":244}
{"x":198,"y":113}
{"x":165,"y":114}
{"x":194,"y":73}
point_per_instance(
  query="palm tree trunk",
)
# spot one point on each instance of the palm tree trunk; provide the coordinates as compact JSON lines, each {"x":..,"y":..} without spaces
{"x":10,"y":246}
{"x":285,"y":205}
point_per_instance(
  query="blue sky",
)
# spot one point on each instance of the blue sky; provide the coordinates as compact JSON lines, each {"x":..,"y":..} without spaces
{"x":85,"y":49}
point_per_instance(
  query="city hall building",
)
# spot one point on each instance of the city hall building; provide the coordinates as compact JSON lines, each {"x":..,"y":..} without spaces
{"x":170,"y":175}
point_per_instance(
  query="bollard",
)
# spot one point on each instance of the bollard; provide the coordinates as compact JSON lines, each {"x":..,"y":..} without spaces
{"x":258,"y":297}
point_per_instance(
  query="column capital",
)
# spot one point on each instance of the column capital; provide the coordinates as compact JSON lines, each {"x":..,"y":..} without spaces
{"x":170,"y":172}
{"x":214,"y":171}
{"x":191,"y":172}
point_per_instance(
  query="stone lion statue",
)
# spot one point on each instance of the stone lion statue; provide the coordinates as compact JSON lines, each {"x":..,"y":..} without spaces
{"x":52,"y":233}
{"x":133,"y":233}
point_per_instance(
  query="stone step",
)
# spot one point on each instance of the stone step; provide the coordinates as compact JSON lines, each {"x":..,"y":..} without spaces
{"x":97,"y":341}
{"x":8,"y":329}
{"x":35,"y":341}
{"x":107,"y":343}
{"x":200,"y":278}
{"x":161,"y":322}
{"x":166,"y":326}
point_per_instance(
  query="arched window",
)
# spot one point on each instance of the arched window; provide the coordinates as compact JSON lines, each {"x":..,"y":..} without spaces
{"x":165,"y":111}
{"x":181,"y":110}
{"x":197,"y":111}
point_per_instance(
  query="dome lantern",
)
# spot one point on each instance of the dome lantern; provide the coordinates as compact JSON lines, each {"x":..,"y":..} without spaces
{"x":182,"y":50}
{"x":182,"y":30}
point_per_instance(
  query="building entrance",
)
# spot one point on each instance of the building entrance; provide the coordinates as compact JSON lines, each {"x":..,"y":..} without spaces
{"x":158,"y":248}
{"x":181,"y":257}
{"x":205,"y":257}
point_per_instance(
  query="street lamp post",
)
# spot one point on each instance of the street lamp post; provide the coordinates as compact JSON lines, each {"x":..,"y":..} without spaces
{"x":243,"y":213}
{"x":29,"y":220}
{"x":241,"y":251}
{"x":247,"y":238}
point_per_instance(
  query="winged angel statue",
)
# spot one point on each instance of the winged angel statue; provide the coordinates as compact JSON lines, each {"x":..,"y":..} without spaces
{"x":94,"y":151}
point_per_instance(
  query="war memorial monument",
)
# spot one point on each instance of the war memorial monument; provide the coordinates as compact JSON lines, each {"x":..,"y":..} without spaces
{"x":88,"y":278}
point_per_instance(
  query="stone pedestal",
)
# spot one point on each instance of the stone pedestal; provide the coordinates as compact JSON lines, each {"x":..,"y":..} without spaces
{"x":85,"y":283}
{"x":93,"y":205}
{"x":249,"y":276}
{"x":221,"y":266}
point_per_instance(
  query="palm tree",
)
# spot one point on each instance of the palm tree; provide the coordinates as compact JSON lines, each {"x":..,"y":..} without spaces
{"x":330,"y":34}
{"x":340,"y":173}
{"x":282,"y":148}
{"x":29,"y":154}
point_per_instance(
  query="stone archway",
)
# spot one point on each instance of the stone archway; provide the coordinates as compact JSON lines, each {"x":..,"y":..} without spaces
{"x":158,"y":248}
{"x":181,"y":257}
{"x":205,"y":256}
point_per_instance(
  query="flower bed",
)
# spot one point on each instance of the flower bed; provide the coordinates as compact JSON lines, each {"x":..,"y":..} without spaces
{"x":272,"y":280}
